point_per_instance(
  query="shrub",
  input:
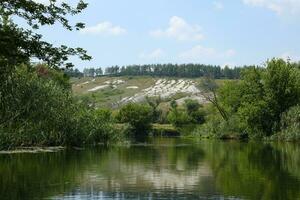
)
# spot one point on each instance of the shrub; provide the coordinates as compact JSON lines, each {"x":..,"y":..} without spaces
{"x":191,"y":105}
{"x":138,"y":116}
{"x":178,"y":118}
{"x":290,"y":125}
{"x":40,"y":111}
{"x":198,"y":117}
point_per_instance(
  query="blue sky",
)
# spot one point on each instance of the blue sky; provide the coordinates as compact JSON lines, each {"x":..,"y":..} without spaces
{"x":221,"y":32}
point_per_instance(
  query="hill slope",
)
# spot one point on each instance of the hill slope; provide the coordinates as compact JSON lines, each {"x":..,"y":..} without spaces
{"x":115,"y":91}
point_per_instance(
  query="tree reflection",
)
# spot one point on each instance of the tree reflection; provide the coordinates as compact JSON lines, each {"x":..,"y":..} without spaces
{"x":161,"y":168}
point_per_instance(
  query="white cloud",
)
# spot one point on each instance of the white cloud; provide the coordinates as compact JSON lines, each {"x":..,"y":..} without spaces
{"x":218,"y":5}
{"x":200,"y":53}
{"x":180,"y":30}
{"x":104,"y":28}
{"x":155,"y":54}
{"x":280,"y":7}
{"x":290,"y":56}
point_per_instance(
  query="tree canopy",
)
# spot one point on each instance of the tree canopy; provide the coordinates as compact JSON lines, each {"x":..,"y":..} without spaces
{"x":19,"y":45}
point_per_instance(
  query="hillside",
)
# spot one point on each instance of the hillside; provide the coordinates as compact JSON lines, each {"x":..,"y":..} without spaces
{"x":115,"y":91}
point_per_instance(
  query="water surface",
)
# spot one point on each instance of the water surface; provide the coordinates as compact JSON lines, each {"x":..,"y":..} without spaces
{"x":164,"y":168}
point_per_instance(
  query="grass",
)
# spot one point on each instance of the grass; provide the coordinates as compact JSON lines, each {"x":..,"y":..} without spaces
{"x":108,"y":97}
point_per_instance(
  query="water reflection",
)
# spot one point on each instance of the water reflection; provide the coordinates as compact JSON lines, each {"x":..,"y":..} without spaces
{"x":165,"y":168}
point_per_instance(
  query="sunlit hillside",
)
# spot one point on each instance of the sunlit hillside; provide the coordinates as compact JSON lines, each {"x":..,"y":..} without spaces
{"x":116,"y":91}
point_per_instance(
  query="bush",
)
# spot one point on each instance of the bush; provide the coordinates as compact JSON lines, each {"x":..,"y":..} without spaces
{"x":178,"y":118}
{"x":138,"y":116}
{"x":191,"y":114}
{"x":40,"y":111}
{"x":262,"y":96}
{"x":198,"y":117}
{"x":216,"y":127}
{"x":290,"y":125}
{"x":191,"y":105}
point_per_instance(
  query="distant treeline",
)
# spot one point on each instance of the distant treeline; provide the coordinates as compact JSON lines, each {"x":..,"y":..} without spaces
{"x":172,"y":70}
{"x":73,"y":73}
{"x":175,"y":70}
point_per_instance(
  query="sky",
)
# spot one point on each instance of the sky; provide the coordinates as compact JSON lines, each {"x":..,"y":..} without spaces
{"x":218,"y":32}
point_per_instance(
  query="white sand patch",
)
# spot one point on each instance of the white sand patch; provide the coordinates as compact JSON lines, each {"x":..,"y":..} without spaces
{"x":132,"y":87}
{"x":113,"y":83}
{"x":98,"y":88}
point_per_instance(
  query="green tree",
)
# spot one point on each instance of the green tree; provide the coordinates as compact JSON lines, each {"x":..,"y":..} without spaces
{"x":22,"y":44}
{"x":19,"y":45}
{"x":191,"y":105}
{"x":262,"y":96}
{"x":154,"y":104}
{"x":193,"y":110}
{"x":209,"y":88}
{"x":138,"y":116}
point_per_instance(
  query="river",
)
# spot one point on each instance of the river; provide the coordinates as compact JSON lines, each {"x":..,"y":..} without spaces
{"x":162,"y":168}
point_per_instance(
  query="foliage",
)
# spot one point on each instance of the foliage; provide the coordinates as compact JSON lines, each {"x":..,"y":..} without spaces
{"x":40,"y":110}
{"x":138,"y":116}
{"x":189,"y":114}
{"x":191,"y":106}
{"x":175,"y":70}
{"x":192,"y":109}
{"x":36,"y":103}
{"x":262,"y":96}
{"x":157,"y":113}
{"x":178,"y":118}
{"x":209,"y":88}
{"x":290,"y":125}
{"x":73,"y":73}
{"x":92,"y":72}
{"x":22,"y":44}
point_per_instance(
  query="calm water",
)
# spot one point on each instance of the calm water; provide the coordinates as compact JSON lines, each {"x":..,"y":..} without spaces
{"x":166,"y":168}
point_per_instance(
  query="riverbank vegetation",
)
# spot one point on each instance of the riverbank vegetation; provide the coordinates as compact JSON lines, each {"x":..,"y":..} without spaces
{"x":37,"y":107}
{"x":259,"y":105}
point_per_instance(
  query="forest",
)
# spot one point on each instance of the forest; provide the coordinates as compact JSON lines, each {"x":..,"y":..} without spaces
{"x":163,"y":70}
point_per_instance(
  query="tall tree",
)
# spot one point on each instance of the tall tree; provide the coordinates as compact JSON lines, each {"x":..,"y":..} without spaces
{"x":209,"y":88}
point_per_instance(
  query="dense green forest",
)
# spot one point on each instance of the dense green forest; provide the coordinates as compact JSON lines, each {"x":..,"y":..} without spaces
{"x":37,"y":107}
{"x":166,"y":70}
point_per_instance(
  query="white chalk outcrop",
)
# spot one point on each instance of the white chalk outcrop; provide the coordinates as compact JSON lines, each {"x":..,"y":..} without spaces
{"x":165,"y":89}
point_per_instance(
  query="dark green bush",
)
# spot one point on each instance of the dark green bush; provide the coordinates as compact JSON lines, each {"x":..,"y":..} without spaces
{"x":40,"y":111}
{"x":178,"y":118}
{"x":290,"y":125}
{"x":138,"y":116}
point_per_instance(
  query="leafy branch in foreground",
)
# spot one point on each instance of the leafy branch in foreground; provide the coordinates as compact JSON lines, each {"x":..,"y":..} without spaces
{"x":20,"y":45}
